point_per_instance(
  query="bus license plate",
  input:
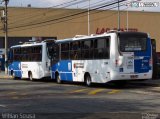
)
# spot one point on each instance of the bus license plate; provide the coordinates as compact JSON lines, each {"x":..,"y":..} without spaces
{"x":134,"y":76}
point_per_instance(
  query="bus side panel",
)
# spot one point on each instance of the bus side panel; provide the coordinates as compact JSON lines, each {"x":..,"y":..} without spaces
{"x":64,"y":68}
{"x":79,"y":67}
{"x":98,"y":73}
{"x":142,"y":64}
{"x":34,"y":67}
{"x":16,"y":68}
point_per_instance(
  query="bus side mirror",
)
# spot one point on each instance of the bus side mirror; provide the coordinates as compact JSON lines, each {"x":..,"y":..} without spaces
{"x":54,"y":55}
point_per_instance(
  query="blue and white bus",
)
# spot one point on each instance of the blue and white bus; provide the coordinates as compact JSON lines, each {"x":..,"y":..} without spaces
{"x":112,"y":56}
{"x":30,"y":60}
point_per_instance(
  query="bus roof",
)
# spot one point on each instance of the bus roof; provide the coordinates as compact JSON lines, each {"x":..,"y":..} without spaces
{"x":34,"y":43}
{"x":81,"y":37}
{"x":64,"y":40}
{"x":27,"y":44}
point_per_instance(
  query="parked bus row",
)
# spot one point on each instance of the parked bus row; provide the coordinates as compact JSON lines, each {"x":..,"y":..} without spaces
{"x":112,"y":56}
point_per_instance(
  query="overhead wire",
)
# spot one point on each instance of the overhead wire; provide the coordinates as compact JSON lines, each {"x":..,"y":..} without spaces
{"x":91,"y":20}
{"x":37,"y":17}
{"x":49,"y":9}
{"x":67,"y":16}
{"x":64,"y":20}
{"x":55,"y":6}
{"x":61,"y":20}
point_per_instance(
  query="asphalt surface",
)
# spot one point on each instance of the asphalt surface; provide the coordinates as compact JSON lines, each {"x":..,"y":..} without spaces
{"x":46,"y":99}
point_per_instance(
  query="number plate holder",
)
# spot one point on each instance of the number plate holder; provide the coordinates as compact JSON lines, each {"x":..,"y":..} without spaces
{"x":134,"y":76}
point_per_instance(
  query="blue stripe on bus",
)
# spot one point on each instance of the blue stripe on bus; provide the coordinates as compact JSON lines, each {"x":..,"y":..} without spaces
{"x":142,"y":65}
{"x":64,"y":68}
{"x":15,"y":67}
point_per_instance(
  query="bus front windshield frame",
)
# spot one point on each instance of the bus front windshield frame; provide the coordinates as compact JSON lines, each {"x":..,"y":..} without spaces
{"x":132,"y":42}
{"x":50,"y":49}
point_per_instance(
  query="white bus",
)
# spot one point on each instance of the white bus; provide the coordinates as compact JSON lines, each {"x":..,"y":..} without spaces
{"x":112,"y":56}
{"x":30,"y":60}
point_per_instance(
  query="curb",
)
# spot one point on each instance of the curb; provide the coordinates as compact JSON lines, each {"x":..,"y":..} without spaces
{"x":155,"y":89}
{"x":6,"y":77}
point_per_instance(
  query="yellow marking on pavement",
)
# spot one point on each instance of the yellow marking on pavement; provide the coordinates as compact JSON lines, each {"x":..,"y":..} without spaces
{"x":11,"y":93}
{"x":15,"y":97}
{"x":95,"y":91}
{"x":5,"y":77}
{"x":3,"y":106}
{"x":114,"y":91}
{"x":78,"y":91}
{"x":23,"y":94}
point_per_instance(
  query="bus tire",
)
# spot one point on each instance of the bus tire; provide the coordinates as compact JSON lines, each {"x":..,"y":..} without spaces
{"x":13,"y":74}
{"x":87,"y":80}
{"x":30,"y":76}
{"x":58,"y":79}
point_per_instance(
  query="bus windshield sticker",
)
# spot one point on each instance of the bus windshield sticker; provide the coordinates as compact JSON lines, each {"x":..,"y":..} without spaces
{"x":130,"y":64}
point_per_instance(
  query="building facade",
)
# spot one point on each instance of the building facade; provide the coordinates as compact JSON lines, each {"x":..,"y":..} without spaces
{"x":65,"y":23}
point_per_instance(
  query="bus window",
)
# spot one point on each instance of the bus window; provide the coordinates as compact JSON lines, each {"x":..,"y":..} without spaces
{"x":10,"y":56}
{"x":101,"y":48}
{"x":107,"y":48}
{"x":50,"y":49}
{"x":56,"y":52}
{"x":75,"y":50}
{"x":87,"y":49}
{"x":132,"y":42}
{"x":65,"y":51}
{"x":17,"y":54}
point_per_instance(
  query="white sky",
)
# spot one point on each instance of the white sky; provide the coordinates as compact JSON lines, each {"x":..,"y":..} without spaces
{"x":50,"y":3}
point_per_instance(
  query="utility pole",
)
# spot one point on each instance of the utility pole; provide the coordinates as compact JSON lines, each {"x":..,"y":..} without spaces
{"x":118,"y":17}
{"x":127,"y":21}
{"x":6,"y":33}
{"x":89,"y":17}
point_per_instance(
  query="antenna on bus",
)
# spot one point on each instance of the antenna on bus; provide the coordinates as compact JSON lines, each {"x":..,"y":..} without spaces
{"x":49,"y":40}
{"x":32,"y":40}
{"x":94,"y":34}
{"x":79,"y":36}
{"x":111,"y":31}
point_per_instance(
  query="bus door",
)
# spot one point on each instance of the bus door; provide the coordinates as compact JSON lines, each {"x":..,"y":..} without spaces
{"x":44,"y":65}
{"x":16,"y":67}
{"x":54,"y":59}
{"x":2,"y":62}
{"x":13,"y":65}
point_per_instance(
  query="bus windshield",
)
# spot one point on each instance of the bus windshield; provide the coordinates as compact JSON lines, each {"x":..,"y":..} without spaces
{"x":131,"y":41}
{"x":50,"y":49}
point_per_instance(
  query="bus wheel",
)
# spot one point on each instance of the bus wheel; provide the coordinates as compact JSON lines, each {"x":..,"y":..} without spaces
{"x":13,"y":75}
{"x":58,"y":79}
{"x":30,"y":76}
{"x":88,"y":81}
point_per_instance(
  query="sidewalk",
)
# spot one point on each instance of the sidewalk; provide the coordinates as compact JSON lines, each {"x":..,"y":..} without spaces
{"x":4,"y":76}
{"x":153,"y":81}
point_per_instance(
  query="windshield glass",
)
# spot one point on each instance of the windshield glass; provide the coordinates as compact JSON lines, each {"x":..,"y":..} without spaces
{"x":130,"y":42}
{"x":50,"y":50}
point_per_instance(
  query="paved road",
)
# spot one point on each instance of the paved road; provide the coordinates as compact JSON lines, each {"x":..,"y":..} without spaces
{"x":48,"y":99}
